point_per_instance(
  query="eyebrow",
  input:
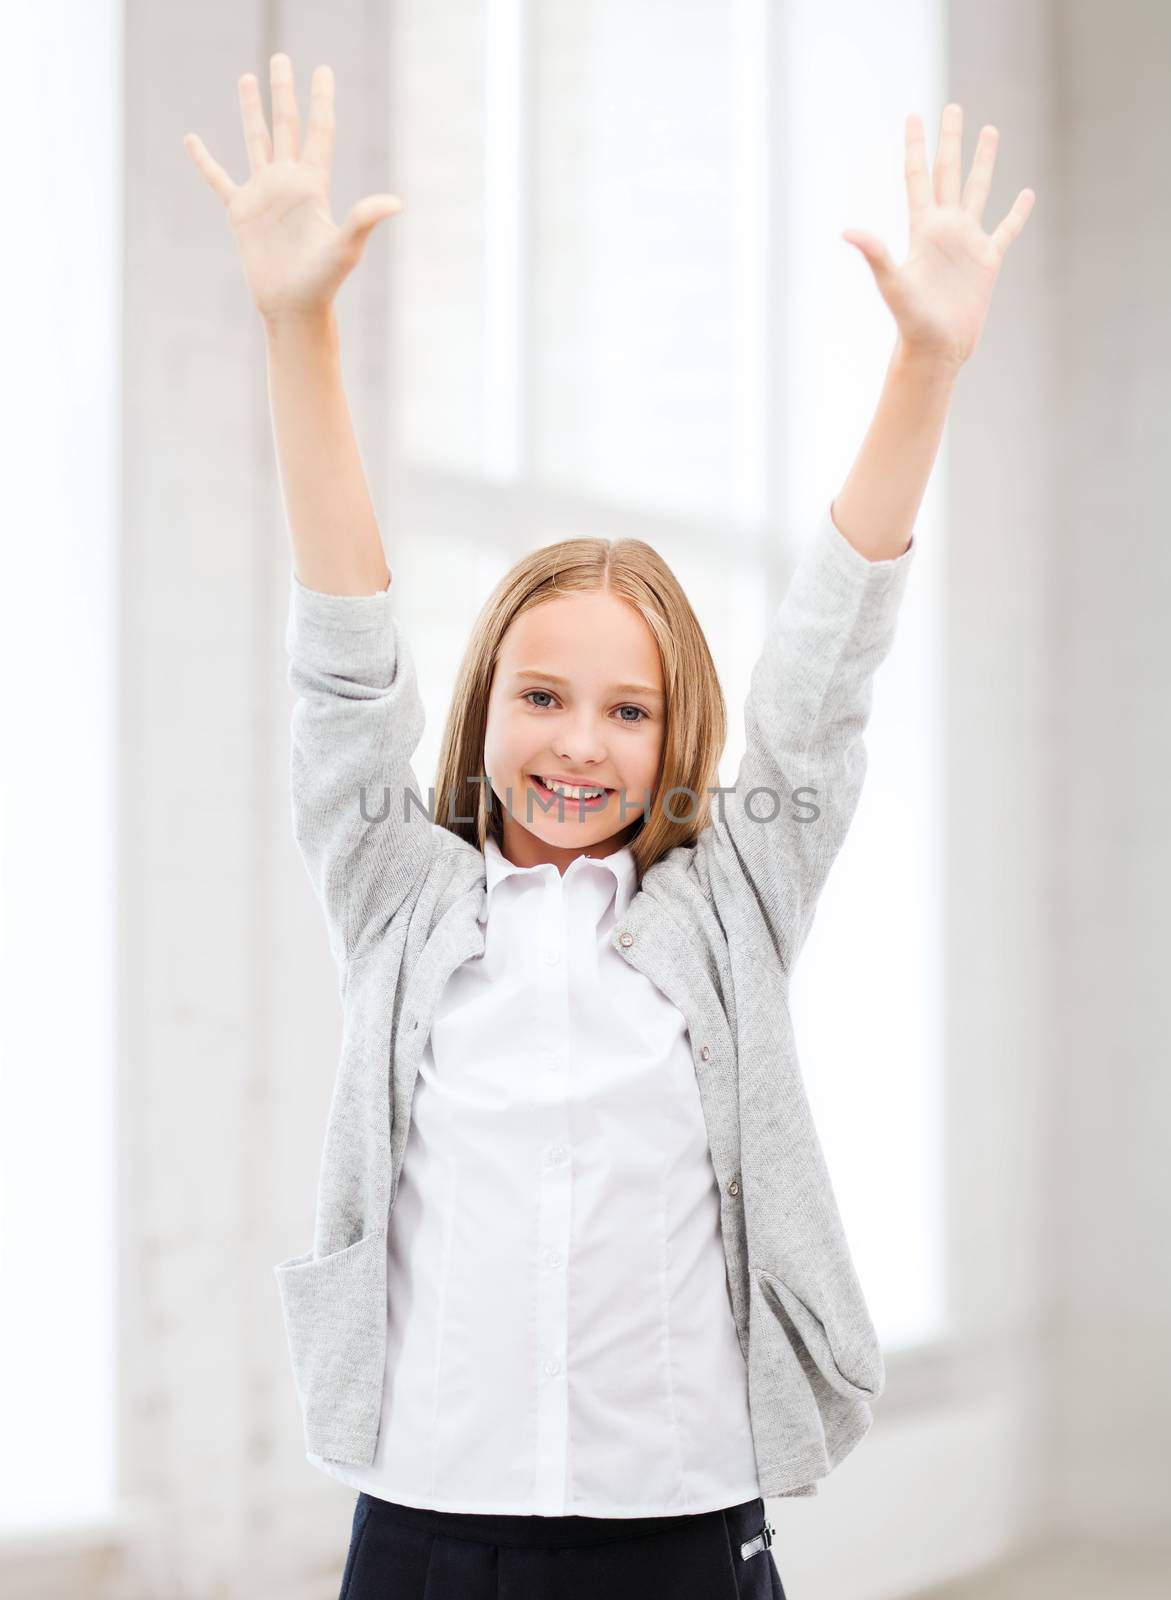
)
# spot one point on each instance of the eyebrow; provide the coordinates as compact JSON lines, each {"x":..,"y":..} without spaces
{"x":615,"y":688}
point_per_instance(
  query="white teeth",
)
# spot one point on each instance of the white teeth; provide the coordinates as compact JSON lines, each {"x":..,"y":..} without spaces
{"x":570,"y":791}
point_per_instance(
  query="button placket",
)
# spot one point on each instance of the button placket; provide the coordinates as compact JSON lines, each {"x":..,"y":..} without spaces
{"x":552,"y":1308}
{"x":556,"y":1178}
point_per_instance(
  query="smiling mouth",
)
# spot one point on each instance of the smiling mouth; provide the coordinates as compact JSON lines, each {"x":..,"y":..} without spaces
{"x":544,"y":789}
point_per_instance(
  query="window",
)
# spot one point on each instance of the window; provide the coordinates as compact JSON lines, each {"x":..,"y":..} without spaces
{"x":58,"y":824}
{"x":621,"y":304}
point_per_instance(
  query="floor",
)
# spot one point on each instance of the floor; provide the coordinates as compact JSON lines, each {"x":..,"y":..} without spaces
{"x":1074,"y":1574}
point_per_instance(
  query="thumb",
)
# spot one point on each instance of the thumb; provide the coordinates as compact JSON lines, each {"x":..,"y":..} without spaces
{"x":365,"y":216}
{"x":875,"y":252}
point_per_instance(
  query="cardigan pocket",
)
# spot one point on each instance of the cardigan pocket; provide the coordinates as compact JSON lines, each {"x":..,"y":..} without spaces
{"x":850,"y":1375}
{"x":334,"y":1309}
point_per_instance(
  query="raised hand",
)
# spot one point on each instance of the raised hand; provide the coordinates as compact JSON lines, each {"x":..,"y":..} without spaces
{"x":939,"y":296}
{"x":295,"y":256}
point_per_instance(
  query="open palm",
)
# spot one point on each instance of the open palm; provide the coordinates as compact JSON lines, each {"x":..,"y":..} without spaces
{"x":295,"y":255}
{"x":939,"y":296}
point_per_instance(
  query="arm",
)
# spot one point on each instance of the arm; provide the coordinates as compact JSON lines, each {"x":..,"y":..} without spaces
{"x":358,"y":715}
{"x":811,"y":691}
{"x":357,"y":720}
{"x":877,"y":506}
{"x":337,"y":548}
{"x":295,"y":259}
{"x":773,"y":838}
{"x":939,"y":298}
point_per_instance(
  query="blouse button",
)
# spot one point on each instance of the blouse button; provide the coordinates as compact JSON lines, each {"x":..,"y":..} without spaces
{"x":706,"y":1053}
{"x":733,"y":1187}
{"x":626,"y":940}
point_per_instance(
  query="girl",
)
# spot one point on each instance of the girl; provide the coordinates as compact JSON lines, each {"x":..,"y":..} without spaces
{"x":578,"y":1296}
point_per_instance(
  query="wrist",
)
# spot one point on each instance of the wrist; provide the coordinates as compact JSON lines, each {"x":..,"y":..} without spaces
{"x":932,"y":366}
{"x":319,"y":322}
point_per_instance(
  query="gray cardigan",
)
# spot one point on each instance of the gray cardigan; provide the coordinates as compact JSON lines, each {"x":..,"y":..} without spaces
{"x":716,"y":927}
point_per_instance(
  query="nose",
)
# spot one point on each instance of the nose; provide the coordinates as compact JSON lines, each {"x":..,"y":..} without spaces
{"x":581,"y":743}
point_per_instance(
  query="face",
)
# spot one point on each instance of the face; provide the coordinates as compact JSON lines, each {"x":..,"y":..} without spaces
{"x":577,"y":695}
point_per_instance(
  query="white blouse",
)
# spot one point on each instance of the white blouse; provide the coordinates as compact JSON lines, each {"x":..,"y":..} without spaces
{"x":557,"y":1163}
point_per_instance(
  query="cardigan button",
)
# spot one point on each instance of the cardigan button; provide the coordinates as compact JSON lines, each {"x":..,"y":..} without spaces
{"x":626,"y":939}
{"x":733,"y":1187}
{"x":705,"y":1053}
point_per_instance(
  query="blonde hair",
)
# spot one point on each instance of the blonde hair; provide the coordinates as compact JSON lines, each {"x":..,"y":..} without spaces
{"x":695,"y":719}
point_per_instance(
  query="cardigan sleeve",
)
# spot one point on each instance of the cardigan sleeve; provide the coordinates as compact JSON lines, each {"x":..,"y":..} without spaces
{"x":774,"y":837}
{"x":356,"y":722}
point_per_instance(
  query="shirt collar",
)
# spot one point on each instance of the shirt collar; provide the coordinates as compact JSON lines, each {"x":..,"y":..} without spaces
{"x":620,"y":863}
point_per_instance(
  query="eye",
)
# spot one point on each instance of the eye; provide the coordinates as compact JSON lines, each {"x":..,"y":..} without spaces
{"x":631,"y":722}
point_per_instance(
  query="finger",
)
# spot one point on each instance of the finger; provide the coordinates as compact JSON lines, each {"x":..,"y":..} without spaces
{"x":947,"y":157}
{"x":286,"y":124}
{"x":918,"y":182}
{"x":1010,"y":228}
{"x":210,"y":169}
{"x":877,"y":256}
{"x":318,"y":150}
{"x":367,"y":214}
{"x":255,"y":128}
{"x":980,"y":178}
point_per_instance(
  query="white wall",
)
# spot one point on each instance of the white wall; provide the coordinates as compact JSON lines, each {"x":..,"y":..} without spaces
{"x":1111,"y":1000}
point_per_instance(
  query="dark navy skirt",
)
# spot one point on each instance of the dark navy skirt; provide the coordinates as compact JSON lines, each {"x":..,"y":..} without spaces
{"x":411,"y":1553}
